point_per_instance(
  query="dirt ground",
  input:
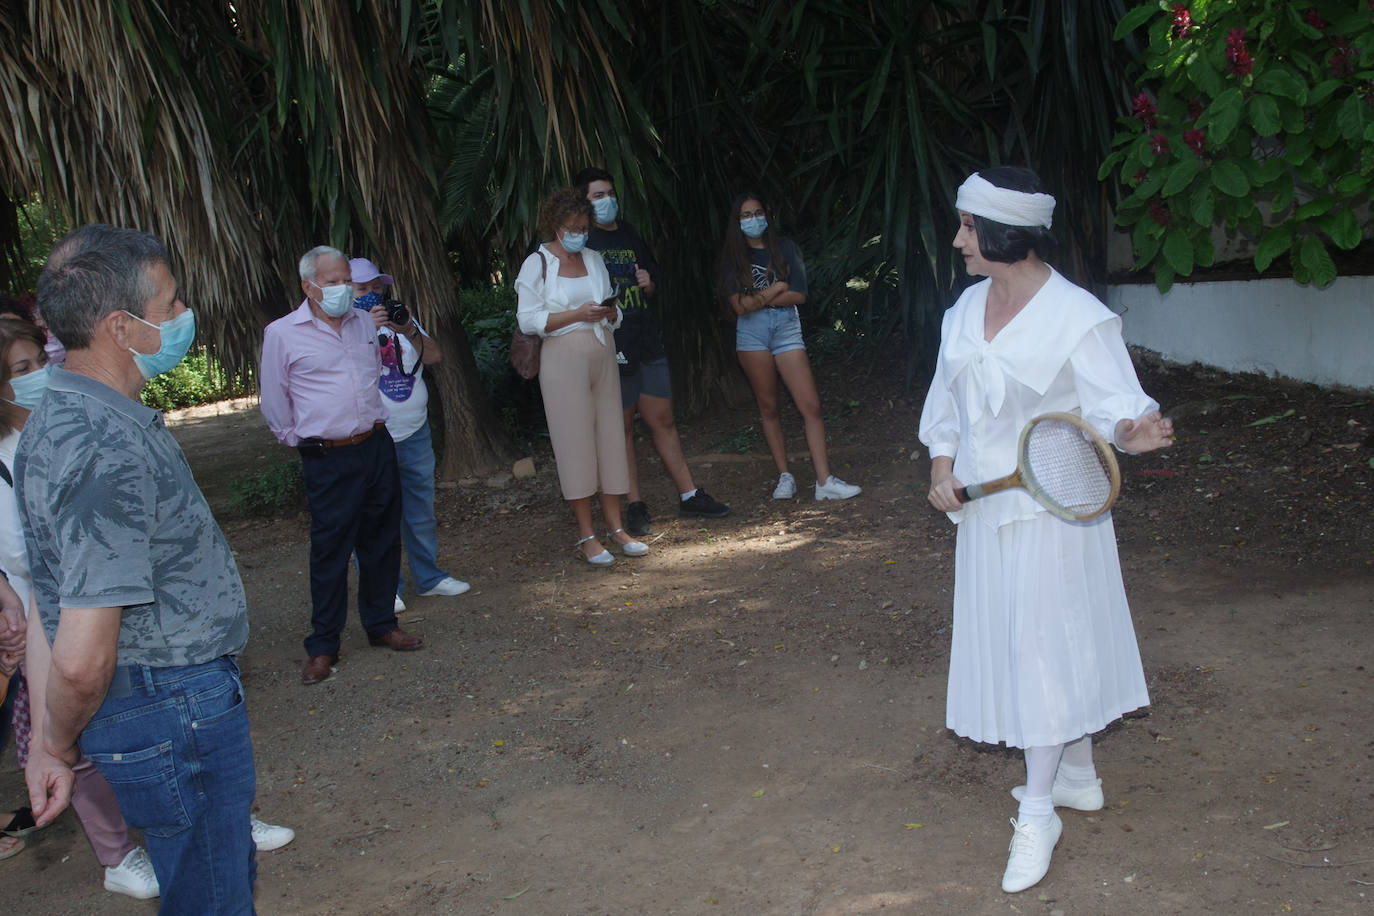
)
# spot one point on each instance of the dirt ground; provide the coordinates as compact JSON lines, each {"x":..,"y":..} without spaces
{"x":750,"y":720}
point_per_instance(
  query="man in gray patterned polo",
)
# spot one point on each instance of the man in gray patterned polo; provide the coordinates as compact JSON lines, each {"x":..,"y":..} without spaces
{"x":134,"y":582}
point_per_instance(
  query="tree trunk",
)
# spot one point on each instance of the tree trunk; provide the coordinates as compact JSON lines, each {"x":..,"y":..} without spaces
{"x":471,"y":441}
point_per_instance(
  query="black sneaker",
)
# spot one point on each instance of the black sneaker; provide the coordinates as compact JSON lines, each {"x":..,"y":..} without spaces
{"x":701,"y":505}
{"x":637,"y":519}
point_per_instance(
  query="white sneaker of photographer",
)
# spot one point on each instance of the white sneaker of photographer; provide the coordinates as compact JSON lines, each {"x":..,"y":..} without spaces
{"x":134,"y":876}
{"x":447,"y":586}
{"x":399,"y":606}
{"x":268,"y":837}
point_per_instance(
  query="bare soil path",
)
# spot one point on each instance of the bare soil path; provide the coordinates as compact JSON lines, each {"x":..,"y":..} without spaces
{"x":750,"y":720}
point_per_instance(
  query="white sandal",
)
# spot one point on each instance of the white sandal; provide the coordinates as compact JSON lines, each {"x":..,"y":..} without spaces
{"x":604,"y":558}
{"x":629,"y":548}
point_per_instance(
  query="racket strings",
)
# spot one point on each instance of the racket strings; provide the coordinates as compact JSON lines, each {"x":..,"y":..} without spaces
{"x":1067,"y":468}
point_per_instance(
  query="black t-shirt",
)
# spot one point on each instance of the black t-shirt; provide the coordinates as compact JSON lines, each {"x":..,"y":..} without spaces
{"x":622,"y":248}
{"x":765,"y":275}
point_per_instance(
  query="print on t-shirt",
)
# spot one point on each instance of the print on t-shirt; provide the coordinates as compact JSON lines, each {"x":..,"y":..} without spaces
{"x":394,"y":383}
{"x":620,"y":264}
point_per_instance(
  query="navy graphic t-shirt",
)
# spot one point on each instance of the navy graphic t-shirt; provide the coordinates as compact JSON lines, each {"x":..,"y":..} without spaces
{"x":622,"y":248}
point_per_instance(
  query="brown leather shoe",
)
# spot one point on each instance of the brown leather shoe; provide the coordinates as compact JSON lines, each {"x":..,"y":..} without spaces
{"x":319,"y":668}
{"x":399,"y":640}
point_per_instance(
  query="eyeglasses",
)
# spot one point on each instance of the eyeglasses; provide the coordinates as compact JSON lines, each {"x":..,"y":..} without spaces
{"x":760,"y":212}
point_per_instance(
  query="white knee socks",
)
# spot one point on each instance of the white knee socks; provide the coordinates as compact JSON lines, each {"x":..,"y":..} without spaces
{"x":1037,"y":806}
{"x":1076,"y":770}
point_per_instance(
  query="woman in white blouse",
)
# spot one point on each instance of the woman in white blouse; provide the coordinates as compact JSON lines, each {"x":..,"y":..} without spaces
{"x":560,"y":290}
{"x":1044,"y":652}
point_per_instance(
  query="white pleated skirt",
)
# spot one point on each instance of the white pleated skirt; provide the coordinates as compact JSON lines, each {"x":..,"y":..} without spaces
{"x":1043,"y":649}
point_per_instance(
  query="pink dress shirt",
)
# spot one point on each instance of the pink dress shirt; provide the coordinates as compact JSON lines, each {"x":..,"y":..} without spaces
{"x":317,"y":383}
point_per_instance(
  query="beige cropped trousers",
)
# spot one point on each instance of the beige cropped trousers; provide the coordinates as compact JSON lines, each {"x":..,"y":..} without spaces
{"x":581,"y":386}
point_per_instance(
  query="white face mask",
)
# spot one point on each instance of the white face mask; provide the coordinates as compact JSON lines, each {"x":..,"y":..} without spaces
{"x":335,"y":300}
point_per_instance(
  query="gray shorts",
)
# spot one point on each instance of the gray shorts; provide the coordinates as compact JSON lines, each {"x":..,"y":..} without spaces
{"x":653,"y":379}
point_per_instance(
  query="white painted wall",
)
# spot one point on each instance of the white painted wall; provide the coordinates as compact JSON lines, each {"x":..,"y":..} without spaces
{"x":1270,"y":326}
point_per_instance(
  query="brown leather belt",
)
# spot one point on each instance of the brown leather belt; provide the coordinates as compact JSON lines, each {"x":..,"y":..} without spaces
{"x":354,"y":440}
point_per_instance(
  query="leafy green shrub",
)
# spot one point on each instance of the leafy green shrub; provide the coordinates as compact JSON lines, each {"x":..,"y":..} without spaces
{"x":195,"y":380}
{"x":1262,"y":120}
{"x":276,"y":489}
{"x":489,"y":320}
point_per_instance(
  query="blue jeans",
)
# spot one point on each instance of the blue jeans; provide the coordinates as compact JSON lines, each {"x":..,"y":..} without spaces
{"x":173,"y":744}
{"x":415,"y":455}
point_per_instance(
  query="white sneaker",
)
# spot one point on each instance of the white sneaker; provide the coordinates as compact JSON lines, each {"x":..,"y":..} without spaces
{"x":1028,"y":857}
{"x":786,"y":488}
{"x":268,"y":837}
{"x":134,"y":876}
{"x":400,"y":605}
{"x":447,"y":586}
{"x":835,"y":488}
{"x":1089,"y":799}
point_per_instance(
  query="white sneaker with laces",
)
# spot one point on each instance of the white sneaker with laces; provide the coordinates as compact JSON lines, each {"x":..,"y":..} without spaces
{"x":1089,"y":799}
{"x":786,"y":488}
{"x":1028,"y":857}
{"x":447,"y":586}
{"x":268,"y":837}
{"x":835,"y":488}
{"x":400,"y":605}
{"x":134,"y":876}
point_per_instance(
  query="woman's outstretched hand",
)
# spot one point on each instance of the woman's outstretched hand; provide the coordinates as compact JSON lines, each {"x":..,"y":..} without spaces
{"x":1145,"y":434}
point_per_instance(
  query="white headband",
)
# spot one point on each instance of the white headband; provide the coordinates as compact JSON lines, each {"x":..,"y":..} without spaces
{"x":982,"y":198}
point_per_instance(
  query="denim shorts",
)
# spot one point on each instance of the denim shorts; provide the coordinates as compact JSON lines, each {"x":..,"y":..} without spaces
{"x":652,"y":378}
{"x":774,"y":330}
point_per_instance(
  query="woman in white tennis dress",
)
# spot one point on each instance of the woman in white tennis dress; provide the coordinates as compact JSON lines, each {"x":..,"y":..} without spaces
{"x":1044,"y":653}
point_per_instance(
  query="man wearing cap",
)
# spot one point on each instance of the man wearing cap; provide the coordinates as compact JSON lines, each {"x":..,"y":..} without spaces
{"x":320,"y":366}
{"x":405,"y":350}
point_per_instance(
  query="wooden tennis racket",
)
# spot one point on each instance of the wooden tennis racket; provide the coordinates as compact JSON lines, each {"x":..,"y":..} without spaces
{"x":1064,"y":465}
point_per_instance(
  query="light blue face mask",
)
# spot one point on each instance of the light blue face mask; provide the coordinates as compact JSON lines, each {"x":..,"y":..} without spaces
{"x":177,"y":334}
{"x":335,"y":301}
{"x":606,"y":210}
{"x":573,"y":242}
{"x":28,"y":389}
{"x":754,"y":226}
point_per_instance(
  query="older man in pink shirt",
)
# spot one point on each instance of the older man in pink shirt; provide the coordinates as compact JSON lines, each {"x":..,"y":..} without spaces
{"x":319,"y":375}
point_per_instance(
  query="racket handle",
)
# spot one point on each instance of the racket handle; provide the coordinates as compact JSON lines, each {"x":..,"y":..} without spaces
{"x":970,"y":492}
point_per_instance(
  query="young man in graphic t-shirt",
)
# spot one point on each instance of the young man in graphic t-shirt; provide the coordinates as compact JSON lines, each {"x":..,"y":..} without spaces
{"x":645,"y":382}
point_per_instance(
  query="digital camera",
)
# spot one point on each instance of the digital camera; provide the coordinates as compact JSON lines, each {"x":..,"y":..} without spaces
{"x":396,"y":312}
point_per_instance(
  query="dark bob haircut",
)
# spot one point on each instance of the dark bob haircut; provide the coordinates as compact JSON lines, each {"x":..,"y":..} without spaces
{"x":1009,"y":244}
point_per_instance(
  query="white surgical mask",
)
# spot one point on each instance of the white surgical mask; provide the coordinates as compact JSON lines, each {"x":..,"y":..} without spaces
{"x":335,"y":300}
{"x":573,"y":242}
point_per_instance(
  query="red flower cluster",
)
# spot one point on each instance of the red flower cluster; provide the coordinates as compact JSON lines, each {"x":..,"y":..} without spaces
{"x":1144,"y":109}
{"x":1316,"y":21}
{"x":1138,"y":177}
{"x":1195,"y":108}
{"x":1196,"y":140}
{"x":1160,"y":144}
{"x":1183,"y":21}
{"x":1159,"y":213}
{"x":1342,"y":61}
{"x":1237,"y":57}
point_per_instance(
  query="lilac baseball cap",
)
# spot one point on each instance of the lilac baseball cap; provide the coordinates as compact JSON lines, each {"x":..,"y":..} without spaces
{"x":364,"y":271}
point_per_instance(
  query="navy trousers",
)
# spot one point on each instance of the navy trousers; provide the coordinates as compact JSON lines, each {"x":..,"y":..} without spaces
{"x":354,"y":493}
